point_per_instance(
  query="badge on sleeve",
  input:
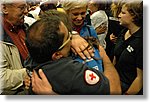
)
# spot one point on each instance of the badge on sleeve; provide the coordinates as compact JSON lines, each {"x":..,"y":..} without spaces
{"x":91,"y":77}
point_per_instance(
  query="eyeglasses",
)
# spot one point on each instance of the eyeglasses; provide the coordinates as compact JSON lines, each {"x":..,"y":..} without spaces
{"x":22,"y":7}
{"x":65,"y":43}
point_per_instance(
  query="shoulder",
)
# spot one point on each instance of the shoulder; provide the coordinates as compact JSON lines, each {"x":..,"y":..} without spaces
{"x":90,"y":27}
{"x":93,"y":81}
{"x":6,"y":45}
{"x":99,"y":15}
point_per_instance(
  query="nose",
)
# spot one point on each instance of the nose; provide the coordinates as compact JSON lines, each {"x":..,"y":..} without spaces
{"x":25,"y":10}
{"x":119,"y":16}
{"x":79,"y":17}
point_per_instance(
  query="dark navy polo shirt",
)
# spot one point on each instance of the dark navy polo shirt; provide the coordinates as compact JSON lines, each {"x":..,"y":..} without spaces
{"x":68,"y":76}
{"x":129,"y":56}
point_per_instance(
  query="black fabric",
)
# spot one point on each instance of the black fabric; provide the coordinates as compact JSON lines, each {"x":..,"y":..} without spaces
{"x":129,"y":57}
{"x":115,"y":28}
{"x":87,"y":18}
{"x":67,"y":77}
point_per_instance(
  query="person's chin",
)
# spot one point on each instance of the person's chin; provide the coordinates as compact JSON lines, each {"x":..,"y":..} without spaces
{"x":78,"y":24}
{"x":21,"y":23}
{"x":120,"y":23}
{"x":22,"y":20}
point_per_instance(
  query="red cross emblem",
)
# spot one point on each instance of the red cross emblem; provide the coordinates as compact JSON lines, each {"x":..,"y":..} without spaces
{"x":91,"y":77}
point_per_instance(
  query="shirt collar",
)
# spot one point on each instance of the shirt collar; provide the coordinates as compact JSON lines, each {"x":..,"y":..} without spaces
{"x":139,"y":33}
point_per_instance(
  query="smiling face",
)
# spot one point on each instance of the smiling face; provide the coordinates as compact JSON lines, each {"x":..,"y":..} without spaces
{"x":15,"y":12}
{"x":77,"y":15}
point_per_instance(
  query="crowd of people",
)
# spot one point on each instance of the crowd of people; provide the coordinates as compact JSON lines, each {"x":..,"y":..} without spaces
{"x":77,"y":47}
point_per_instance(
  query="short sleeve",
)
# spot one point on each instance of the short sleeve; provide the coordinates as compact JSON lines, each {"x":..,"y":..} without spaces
{"x":90,"y":81}
{"x":139,"y":59}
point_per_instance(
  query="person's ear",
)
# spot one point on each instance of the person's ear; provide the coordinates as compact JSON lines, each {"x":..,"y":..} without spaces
{"x":56,"y":56}
{"x":4,"y":9}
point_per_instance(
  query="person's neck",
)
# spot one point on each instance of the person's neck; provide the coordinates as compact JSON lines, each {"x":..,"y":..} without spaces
{"x":133,"y":29}
{"x":77,"y":28}
{"x":9,"y":22}
{"x":12,"y":24}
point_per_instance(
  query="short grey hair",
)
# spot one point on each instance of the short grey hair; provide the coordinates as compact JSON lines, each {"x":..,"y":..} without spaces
{"x":10,"y":1}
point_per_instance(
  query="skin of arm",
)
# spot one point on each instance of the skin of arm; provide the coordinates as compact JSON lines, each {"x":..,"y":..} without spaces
{"x":111,"y":73}
{"x":136,"y":84}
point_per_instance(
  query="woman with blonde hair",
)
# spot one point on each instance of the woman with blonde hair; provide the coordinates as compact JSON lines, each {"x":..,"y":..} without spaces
{"x":76,"y":11}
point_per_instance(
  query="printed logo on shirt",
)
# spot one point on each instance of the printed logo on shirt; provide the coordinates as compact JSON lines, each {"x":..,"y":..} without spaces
{"x":91,"y":77}
{"x":130,"y":48}
{"x":96,"y":67}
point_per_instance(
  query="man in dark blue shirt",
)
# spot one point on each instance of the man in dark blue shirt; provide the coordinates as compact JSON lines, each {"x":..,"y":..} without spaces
{"x":49,"y":47}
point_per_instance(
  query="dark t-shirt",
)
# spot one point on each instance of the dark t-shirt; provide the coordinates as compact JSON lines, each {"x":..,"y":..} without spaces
{"x":129,"y":56}
{"x":68,"y":76}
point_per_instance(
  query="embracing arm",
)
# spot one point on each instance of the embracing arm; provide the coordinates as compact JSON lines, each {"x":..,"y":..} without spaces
{"x":111,"y":73}
{"x":79,"y":45}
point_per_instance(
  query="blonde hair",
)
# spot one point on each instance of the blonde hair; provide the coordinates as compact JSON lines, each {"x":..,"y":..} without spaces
{"x":116,"y":7}
{"x":73,"y":4}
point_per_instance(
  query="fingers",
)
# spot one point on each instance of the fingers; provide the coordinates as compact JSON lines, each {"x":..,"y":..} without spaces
{"x":34,"y":80}
{"x":42,"y":75}
{"x":41,"y":84}
{"x":79,"y":46}
{"x":85,"y":52}
{"x":91,"y":51}
{"x":113,"y":38}
{"x":27,"y":82}
{"x":73,"y":50}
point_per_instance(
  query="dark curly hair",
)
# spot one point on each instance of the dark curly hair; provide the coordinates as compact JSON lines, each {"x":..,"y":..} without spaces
{"x":44,"y":38}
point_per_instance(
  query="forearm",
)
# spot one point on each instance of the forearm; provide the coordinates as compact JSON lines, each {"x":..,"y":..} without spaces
{"x":137,"y":84}
{"x":135,"y":87}
{"x":111,"y":73}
